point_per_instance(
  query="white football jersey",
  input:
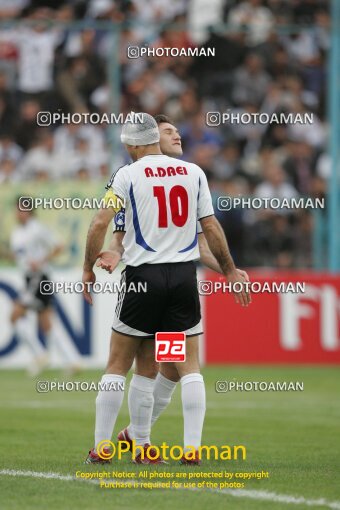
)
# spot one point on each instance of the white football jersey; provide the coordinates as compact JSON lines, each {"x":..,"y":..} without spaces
{"x":32,"y":242}
{"x":118,"y":223}
{"x":164,"y":197}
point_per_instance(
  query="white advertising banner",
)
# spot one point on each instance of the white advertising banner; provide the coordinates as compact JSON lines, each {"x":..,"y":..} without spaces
{"x":80,"y":326}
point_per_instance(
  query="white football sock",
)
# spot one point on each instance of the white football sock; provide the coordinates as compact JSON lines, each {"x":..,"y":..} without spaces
{"x":140,"y":407}
{"x":162,"y":394}
{"x":26,"y":332}
{"x":108,"y":404}
{"x":193,"y":403}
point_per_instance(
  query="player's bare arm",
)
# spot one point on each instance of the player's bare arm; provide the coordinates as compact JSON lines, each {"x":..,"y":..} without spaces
{"x":94,"y":243}
{"x":208,"y":259}
{"x":109,"y":259}
{"x":218,"y":245}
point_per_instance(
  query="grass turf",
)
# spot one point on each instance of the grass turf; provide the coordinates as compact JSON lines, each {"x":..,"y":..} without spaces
{"x":292,"y":435}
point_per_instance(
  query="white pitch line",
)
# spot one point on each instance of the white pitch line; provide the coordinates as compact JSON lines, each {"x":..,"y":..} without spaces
{"x":279,"y":498}
{"x":43,"y":475}
{"x":239,"y":493}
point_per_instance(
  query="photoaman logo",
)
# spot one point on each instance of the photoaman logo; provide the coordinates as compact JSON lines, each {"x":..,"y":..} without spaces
{"x":170,"y":346}
{"x":107,"y":450}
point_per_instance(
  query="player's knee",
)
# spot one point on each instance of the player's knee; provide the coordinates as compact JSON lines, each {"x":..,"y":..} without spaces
{"x":45,"y":322}
{"x":146,"y":366}
{"x":117,"y":369}
{"x":45,"y":326}
{"x":149,"y":370}
{"x":16,"y":314}
{"x":118,"y":365}
{"x":187,"y":368}
{"x":149,"y":373}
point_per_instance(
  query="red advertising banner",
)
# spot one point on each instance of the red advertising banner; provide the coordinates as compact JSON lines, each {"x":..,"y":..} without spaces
{"x":278,"y":327}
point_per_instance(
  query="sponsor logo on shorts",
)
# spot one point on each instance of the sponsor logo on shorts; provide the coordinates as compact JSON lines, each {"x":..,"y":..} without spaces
{"x":170,"y":346}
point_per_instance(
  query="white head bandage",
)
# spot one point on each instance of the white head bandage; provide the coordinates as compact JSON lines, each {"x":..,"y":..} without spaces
{"x":142,"y":129}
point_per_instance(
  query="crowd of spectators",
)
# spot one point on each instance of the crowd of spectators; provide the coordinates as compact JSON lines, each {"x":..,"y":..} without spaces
{"x":50,"y":62}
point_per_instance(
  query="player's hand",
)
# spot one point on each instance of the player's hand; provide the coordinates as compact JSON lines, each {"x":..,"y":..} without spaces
{"x":243,"y":297}
{"x":89,"y":278}
{"x":108,"y":260}
{"x":244,"y":274}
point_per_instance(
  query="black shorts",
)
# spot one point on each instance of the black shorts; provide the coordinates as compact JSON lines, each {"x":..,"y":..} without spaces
{"x":31,"y":297}
{"x":170,"y":303}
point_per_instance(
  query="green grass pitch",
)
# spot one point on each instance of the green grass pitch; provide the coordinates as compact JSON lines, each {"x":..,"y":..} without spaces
{"x":292,"y":435}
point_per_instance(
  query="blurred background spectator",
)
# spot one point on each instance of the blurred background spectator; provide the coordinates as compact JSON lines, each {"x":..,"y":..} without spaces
{"x":47,"y":63}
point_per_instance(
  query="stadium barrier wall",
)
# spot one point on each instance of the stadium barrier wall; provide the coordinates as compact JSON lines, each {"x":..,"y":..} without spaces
{"x":276,"y":328}
{"x":87,"y":328}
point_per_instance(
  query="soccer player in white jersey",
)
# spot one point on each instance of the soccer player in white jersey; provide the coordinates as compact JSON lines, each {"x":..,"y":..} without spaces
{"x":164,"y":197}
{"x":165,"y":380}
{"x":34,"y":246}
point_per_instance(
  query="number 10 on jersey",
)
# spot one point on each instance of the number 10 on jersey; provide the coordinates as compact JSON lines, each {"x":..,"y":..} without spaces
{"x":179,"y":205}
